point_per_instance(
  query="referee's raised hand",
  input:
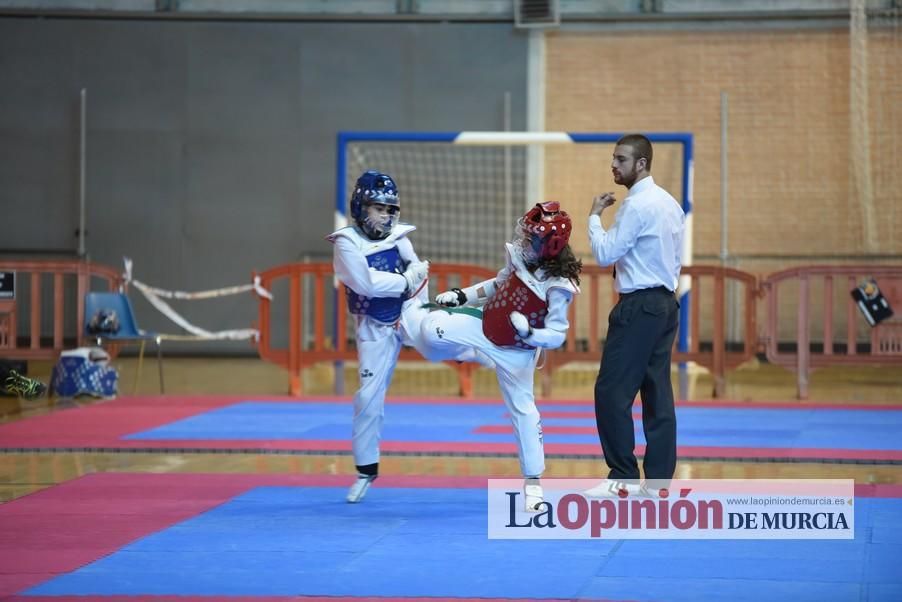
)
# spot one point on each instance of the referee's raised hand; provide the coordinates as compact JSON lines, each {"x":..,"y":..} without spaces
{"x":602,"y":202}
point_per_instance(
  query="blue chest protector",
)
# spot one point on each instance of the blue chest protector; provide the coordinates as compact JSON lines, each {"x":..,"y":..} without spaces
{"x":383,"y":309}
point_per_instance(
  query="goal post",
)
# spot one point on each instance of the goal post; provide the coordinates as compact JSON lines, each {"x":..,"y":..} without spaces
{"x":465,"y":190}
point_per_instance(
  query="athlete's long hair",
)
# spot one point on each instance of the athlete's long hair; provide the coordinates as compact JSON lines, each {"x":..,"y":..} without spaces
{"x":564,"y":265}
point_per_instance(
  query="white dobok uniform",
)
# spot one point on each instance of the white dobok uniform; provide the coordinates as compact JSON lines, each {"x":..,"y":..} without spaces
{"x":386,"y":319}
{"x":544,"y":301}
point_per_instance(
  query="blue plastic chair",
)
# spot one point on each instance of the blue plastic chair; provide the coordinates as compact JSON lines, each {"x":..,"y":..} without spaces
{"x":128,"y":331}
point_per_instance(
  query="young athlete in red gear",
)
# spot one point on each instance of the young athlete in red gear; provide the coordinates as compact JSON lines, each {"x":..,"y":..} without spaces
{"x":523,"y":310}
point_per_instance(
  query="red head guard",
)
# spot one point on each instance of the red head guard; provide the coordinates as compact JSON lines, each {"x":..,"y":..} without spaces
{"x":548,"y":227}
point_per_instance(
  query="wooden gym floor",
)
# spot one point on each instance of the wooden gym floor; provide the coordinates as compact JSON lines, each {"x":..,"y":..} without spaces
{"x":22,"y":473}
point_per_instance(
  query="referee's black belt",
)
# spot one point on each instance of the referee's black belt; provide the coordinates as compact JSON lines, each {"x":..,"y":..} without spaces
{"x":656,"y":290}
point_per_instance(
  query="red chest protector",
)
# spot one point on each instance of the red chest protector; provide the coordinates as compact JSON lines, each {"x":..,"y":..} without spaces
{"x":512,"y":295}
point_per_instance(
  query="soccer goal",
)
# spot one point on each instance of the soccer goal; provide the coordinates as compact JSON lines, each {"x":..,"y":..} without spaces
{"x":465,"y":190}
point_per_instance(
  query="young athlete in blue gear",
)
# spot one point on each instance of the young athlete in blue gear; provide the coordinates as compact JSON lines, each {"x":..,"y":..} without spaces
{"x":386,"y":288}
{"x":524,"y":310}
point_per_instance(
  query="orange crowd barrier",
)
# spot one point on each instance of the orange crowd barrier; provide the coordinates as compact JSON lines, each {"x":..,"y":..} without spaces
{"x":707,"y":295}
{"x":318,"y":326}
{"x":317,"y":332}
{"x":799,"y":287}
{"x":68,"y":281}
{"x":802,"y":307}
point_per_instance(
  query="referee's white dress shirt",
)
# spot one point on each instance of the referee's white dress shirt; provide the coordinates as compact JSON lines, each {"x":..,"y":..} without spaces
{"x":644,"y":242}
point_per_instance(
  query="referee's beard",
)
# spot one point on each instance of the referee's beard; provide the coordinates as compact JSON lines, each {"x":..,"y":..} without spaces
{"x":626,"y":178}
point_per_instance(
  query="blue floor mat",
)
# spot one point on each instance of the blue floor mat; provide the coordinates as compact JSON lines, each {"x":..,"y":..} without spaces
{"x":430,"y":422}
{"x":284,"y":541}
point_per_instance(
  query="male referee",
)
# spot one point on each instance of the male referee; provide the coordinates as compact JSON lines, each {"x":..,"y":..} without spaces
{"x":644,"y":245}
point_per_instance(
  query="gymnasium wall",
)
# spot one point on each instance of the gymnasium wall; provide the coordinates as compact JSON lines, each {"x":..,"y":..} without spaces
{"x":789,"y":150}
{"x":211,"y":144}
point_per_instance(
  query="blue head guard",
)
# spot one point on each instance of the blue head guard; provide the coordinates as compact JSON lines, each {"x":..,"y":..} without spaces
{"x":375,"y":188}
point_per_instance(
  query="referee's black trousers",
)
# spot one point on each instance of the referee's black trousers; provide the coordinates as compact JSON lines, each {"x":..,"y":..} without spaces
{"x":636,"y":358}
